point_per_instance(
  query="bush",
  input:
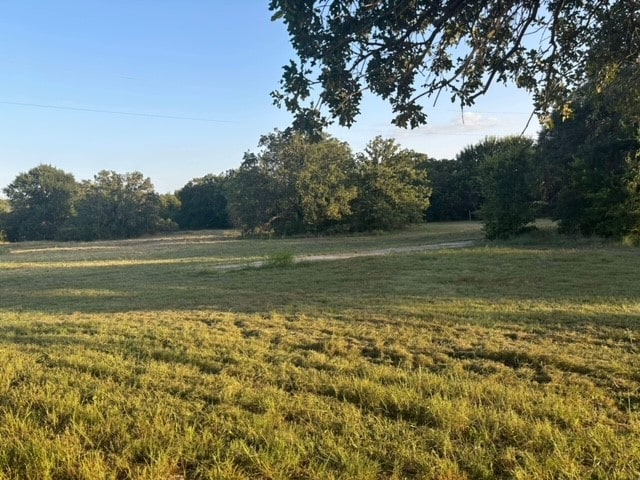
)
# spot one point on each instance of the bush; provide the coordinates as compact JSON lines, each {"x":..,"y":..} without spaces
{"x":166,"y":225}
{"x":280,"y":260}
{"x":632,"y":239}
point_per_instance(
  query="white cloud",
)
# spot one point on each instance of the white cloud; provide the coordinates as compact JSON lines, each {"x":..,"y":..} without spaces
{"x":465,"y":124}
{"x":476,"y":121}
{"x":447,"y":132}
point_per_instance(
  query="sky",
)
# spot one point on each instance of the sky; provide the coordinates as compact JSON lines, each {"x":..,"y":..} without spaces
{"x":177,"y":89}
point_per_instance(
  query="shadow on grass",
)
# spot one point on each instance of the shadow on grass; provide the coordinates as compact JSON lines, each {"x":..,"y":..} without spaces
{"x":490,"y":284}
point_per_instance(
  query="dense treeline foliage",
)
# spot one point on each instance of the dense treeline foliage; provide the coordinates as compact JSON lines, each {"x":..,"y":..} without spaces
{"x":200,"y":204}
{"x":507,"y":186}
{"x":293,"y":185}
{"x":589,"y":161}
{"x":40,"y":203}
{"x":457,"y":191}
{"x":115,"y":206}
{"x":584,"y":171}
{"x":492,"y":180}
{"x":47,"y":203}
{"x":393,"y":187}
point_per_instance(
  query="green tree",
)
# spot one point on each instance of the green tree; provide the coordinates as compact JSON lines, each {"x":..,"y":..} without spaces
{"x":632,"y":236}
{"x":467,"y":180}
{"x":449,"y":197}
{"x":292,"y":185}
{"x":405,"y":50}
{"x":203,"y":203}
{"x":392,"y":190}
{"x":586,"y":162}
{"x":41,"y":202}
{"x":252,"y":196}
{"x":116,"y":205}
{"x":5,"y":208}
{"x":507,"y":187}
{"x":263,"y":196}
{"x":169,"y":211}
{"x":324,"y":185}
{"x":457,"y":191}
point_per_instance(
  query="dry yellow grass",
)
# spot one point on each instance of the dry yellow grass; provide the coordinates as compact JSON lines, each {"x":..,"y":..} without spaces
{"x":500,"y":361}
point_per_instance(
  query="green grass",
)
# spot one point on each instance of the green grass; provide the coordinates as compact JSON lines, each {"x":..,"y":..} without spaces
{"x":144,"y":359}
{"x":279,"y":260}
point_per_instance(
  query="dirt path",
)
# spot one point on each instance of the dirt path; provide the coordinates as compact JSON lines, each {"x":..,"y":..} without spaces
{"x":382,"y":251}
{"x":363,"y":253}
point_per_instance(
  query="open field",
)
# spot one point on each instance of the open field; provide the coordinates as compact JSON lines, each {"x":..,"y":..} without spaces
{"x":144,"y":359}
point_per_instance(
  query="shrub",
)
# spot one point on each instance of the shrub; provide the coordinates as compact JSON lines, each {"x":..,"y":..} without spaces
{"x":632,"y":239}
{"x":280,"y":260}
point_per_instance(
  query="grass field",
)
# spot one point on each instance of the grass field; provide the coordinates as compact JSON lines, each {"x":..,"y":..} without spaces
{"x":147,"y":359}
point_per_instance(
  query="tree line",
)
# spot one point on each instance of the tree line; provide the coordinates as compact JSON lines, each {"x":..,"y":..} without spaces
{"x":291,"y":185}
{"x":47,"y":203}
{"x":583,"y":171}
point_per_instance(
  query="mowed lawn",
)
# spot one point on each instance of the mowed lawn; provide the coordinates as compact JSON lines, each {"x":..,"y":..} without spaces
{"x":152,"y":359}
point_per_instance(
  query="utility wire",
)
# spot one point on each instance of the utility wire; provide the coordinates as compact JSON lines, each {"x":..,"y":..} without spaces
{"x":114,"y":112}
{"x":211,"y":120}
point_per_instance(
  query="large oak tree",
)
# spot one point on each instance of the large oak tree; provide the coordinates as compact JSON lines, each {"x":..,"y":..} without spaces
{"x":406,"y":50}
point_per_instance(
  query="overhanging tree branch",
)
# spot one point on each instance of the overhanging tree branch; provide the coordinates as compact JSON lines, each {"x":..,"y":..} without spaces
{"x":406,"y":50}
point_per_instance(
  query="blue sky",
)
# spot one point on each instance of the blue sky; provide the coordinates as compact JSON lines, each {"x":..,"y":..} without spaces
{"x":211,"y":63}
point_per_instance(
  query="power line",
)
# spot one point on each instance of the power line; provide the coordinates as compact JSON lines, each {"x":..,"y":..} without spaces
{"x":114,"y":112}
{"x":197,"y":119}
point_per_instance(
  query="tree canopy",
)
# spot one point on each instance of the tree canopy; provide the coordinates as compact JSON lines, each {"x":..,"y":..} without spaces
{"x":393,"y":189}
{"x":41,"y":201}
{"x":406,"y":50}
{"x":203,"y":204}
{"x":507,"y":187}
{"x":47,"y":203}
{"x":587,"y":161}
{"x":116,"y":205}
{"x":295,"y":185}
